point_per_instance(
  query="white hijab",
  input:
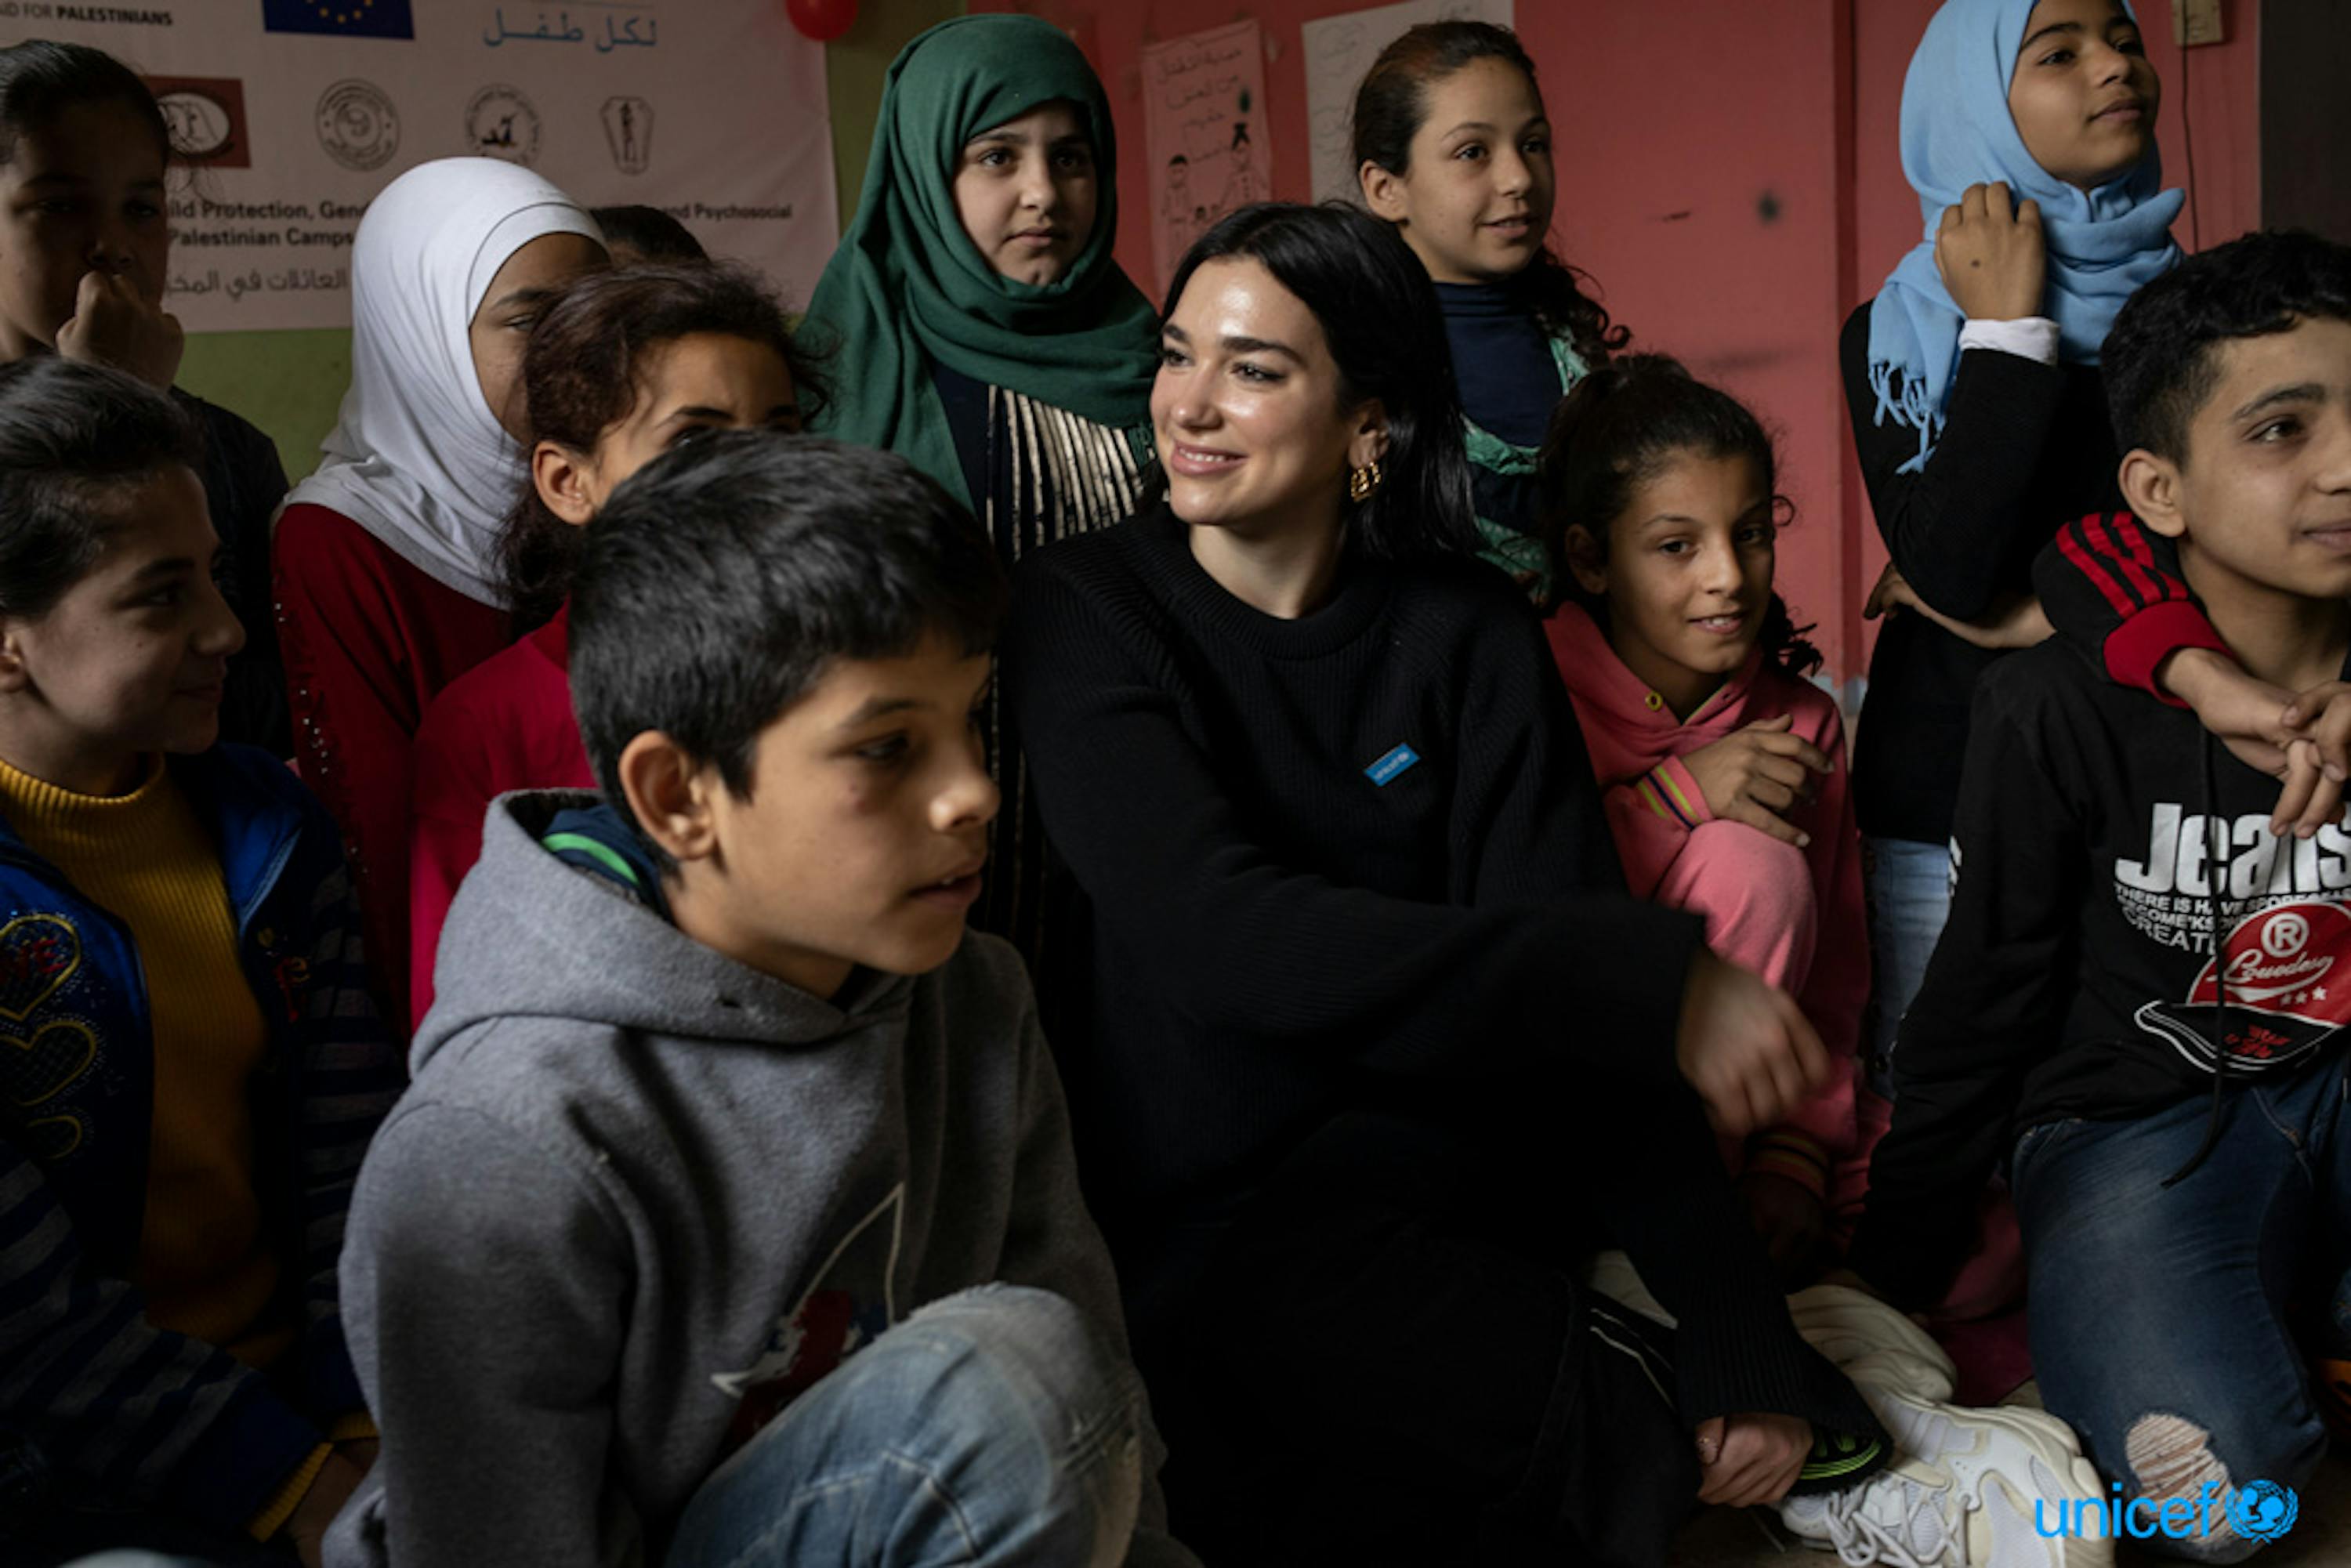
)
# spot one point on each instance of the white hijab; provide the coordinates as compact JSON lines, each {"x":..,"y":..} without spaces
{"x":417,"y":459}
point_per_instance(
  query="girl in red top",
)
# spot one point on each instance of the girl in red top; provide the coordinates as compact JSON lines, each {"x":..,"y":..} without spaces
{"x":1721,"y":769}
{"x":620,"y":369}
{"x":387,"y":584}
{"x":1724,"y":776}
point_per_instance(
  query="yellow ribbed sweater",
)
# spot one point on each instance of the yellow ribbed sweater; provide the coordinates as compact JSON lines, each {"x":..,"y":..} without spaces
{"x":205,"y":1267}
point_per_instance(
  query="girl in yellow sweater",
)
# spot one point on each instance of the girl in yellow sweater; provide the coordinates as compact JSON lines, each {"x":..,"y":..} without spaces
{"x":190,"y":1069}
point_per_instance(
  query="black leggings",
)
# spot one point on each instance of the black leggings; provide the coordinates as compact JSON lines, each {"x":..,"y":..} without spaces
{"x":1388,"y":1358}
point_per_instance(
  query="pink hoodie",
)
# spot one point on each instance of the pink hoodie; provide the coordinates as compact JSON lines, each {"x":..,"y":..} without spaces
{"x":1810,"y":941}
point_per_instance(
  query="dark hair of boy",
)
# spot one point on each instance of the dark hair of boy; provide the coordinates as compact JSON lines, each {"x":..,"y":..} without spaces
{"x":580,"y":376}
{"x":2158,"y":357}
{"x":647,"y":235}
{"x":70,"y":433}
{"x":40,"y":80}
{"x":1621,"y":425}
{"x":722,"y":580}
{"x":1378,"y":311}
{"x":1390,"y":106}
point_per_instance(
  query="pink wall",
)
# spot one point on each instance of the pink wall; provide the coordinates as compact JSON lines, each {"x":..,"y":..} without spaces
{"x":1729,"y":175}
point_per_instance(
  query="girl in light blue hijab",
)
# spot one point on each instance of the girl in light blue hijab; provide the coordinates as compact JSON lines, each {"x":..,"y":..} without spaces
{"x":1960,"y":128}
{"x":1979,"y":413}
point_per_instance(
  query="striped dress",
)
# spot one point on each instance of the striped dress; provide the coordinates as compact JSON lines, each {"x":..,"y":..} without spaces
{"x":1036,"y":473}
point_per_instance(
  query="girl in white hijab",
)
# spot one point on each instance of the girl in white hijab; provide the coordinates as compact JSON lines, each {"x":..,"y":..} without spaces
{"x":384,"y":559}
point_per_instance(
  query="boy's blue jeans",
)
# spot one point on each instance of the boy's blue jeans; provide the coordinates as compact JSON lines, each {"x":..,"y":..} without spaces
{"x":990,"y":1427}
{"x":1909,"y":891}
{"x":2158,"y":1315}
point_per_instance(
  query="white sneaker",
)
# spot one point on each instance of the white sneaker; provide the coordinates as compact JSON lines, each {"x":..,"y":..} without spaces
{"x":1872,"y":1343}
{"x":1960,"y":1495}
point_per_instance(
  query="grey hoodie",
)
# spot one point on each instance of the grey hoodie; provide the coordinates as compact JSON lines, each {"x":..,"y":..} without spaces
{"x":638,"y":1195}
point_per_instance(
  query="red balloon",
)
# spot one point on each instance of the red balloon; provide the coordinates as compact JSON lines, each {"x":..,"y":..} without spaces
{"x":823,"y":20}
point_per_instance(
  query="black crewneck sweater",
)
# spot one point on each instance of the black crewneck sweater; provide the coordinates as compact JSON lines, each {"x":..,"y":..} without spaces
{"x":1355,"y":858}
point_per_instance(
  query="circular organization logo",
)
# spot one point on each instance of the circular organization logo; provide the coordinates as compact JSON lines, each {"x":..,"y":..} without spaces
{"x":200,"y":126}
{"x":357,"y":125}
{"x":2263,"y":1510}
{"x":501,"y":123}
{"x":2285,"y":934}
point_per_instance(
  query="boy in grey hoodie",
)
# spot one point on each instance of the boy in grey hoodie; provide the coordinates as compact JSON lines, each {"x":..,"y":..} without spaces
{"x":731,"y":1216}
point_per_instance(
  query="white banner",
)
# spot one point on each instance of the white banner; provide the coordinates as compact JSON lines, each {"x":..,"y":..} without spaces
{"x":1204,"y":127}
{"x":295,"y":112}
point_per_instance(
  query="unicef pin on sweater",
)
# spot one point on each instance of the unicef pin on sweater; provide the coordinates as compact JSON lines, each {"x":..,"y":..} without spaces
{"x":2077,"y":974}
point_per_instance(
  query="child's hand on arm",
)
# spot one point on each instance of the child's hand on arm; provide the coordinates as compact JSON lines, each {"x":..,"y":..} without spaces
{"x":118,"y":319}
{"x":2303,"y":741}
{"x":2320,"y":760}
{"x":2015,"y":621}
{"x":1745,"y":1046}
{"x":1989,"y":252}
{"x":1750,"y":1459}
{"x":1757,"y":775}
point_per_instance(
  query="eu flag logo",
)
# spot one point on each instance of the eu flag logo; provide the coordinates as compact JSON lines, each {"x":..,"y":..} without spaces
{"x":347,"y":19}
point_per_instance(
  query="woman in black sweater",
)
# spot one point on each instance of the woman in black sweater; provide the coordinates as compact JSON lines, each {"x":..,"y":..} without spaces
{"x":1379,"y":1051}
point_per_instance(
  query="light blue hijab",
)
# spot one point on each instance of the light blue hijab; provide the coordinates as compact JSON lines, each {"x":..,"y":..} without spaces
{"x":1956,"y":132}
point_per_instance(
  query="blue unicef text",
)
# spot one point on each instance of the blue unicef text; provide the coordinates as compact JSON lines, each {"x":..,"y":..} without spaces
{"x":2258,"y":1511}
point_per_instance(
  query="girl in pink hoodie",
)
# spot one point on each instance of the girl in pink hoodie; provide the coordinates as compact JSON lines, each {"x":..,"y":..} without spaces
{"x":1723,"y":770}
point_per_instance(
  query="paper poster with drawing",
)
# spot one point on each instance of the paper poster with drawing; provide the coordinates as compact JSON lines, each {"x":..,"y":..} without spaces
{"x":1204,"y":131}
{"x":1339,"y":51}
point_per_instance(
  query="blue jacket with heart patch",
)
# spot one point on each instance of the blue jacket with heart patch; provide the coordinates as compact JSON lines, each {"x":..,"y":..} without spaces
{"x":101,"y":1395}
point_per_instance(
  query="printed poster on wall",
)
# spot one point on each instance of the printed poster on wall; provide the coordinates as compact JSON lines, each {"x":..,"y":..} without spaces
{"x":1339,"y":51}
{"x":292,"y":114}
{"x":1205,"y":130}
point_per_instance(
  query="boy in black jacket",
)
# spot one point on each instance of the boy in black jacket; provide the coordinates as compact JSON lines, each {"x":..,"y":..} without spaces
{"x":2176,"y":1127}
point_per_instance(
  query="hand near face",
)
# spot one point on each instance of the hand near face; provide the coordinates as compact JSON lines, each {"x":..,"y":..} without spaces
{"x":118,"y":319}
{"x":1991,"y":256}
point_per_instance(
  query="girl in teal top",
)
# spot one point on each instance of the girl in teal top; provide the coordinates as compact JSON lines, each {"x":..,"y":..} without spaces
{"x":1453,"y":147}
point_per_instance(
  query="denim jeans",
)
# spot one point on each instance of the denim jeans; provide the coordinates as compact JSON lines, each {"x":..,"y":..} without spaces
{"x":1909,"y":888}
{"x":991,"y":1427}
{"x":2158,"y":1314}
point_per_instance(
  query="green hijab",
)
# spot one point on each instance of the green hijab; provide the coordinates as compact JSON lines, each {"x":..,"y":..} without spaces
{"x":908,"y":286}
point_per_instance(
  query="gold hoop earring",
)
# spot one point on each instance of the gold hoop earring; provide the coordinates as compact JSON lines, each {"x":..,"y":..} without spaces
{"x":1364,"y":481}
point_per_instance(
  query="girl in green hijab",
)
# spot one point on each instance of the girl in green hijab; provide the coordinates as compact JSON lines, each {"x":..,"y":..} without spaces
{"x":983,"y":331}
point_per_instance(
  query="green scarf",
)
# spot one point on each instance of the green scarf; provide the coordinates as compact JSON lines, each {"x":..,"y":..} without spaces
{"x":907,"y":286}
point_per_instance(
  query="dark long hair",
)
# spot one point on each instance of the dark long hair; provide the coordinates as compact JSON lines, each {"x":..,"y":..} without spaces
{"x":72,"y":437}
{"x":1390,"y":107}
{"x":1622,"y":425}
{"x":1379,"y":314}
{"x":579,"y":374}
{"x":40,"y":80}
